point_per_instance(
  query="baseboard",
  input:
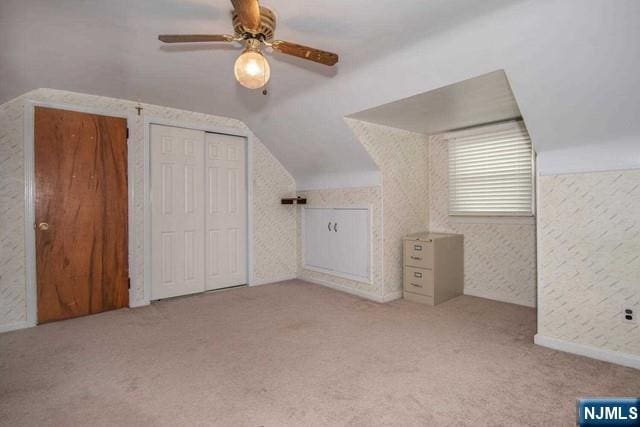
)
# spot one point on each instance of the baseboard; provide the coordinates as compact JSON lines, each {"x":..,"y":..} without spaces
{"x":15,"y":326}
{"x":619,"y":358}
{"x":338,"y":287}
{"x":392,"y":296}
{"x":270,"y":281}
{"x":472,"y":293}
{"x":137,"y":304}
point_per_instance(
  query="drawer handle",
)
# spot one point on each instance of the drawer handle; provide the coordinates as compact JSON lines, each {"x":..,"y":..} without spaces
{"x":417,"y":247}
{"x":417,"y":286}
{"x":418,"y":275}
{"x":416,"y":258}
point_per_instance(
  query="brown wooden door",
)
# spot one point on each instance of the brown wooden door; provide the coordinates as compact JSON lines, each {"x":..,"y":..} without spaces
{"x":81,"y":213}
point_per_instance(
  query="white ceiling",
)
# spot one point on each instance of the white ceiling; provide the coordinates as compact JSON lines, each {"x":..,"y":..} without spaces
{"x":479,"y":100}
{"x":572,"y":65}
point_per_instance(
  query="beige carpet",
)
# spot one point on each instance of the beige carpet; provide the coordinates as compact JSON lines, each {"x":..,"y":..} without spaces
{"x":297,"y":354}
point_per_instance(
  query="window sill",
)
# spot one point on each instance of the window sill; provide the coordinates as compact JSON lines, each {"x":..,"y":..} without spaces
{"x":470,"y":219}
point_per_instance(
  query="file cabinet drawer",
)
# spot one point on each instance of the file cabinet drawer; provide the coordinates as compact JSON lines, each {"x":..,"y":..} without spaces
{"x":418,"y":281}
{"x":422,"y":299}
{"x":433,"y":267}
{"x":418,"y":253}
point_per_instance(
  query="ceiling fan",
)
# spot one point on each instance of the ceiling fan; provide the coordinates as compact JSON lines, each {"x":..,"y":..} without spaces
{"x":254,"y":26}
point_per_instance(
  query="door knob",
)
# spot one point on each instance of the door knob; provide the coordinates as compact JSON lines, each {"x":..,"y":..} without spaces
{"x":43,"y":226}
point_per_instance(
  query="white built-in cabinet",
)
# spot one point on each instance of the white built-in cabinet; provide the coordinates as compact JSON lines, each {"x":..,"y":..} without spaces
{"x":198,"y":211}
{"x":338,"y":241}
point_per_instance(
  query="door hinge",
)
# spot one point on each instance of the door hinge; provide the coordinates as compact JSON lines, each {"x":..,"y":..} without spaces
{"x":127,"y":133}
{"x":129,"y":282}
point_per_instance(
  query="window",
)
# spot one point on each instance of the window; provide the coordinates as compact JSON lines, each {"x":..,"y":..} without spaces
{"x":491,"y":171}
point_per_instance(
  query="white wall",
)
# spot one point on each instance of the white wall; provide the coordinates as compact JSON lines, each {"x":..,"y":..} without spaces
{"x":274,"y":237}
{"x":589,"y":249}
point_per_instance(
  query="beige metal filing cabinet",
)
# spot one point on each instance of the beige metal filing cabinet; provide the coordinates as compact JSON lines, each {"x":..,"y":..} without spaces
{"x":433,"y":267}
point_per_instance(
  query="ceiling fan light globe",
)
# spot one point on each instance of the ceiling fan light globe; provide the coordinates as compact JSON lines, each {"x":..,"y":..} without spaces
{"x":252,"y":69}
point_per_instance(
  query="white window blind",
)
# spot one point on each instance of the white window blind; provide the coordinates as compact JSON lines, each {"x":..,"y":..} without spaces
{"x":491,"y":171}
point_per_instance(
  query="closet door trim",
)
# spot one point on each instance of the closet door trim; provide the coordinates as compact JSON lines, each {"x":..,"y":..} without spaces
{"x":248,"y":135}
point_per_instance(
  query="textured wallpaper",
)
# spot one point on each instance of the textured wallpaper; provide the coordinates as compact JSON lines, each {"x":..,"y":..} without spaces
{"x":366,"y":196}
{"x":400,"y":206}
{"x":403,"y":161}
{"x":590,"y":258}
{"x":274,"y":225}
{"x":12,"y":272}
{"x":499,"y":259}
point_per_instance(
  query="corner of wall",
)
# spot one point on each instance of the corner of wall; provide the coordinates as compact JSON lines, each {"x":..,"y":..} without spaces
{"x":274,"y":224}
{"x":402,"y":157}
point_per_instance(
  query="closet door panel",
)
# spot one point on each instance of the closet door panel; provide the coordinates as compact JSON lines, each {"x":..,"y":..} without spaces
{"x":341,"y":241}
{"x":226,"y":213}
{"x":352,"y":242}
{"x":177,"y":211}
{"x":359,"y":242}
{"x":317,"y":237}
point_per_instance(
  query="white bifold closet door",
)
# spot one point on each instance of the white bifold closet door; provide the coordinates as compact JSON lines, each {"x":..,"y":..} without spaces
{"x":198,"y":211}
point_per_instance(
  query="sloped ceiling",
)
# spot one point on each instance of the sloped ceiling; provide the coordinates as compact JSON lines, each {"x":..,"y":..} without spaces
{"x":476,"y":101}
{"x":573,"y":66}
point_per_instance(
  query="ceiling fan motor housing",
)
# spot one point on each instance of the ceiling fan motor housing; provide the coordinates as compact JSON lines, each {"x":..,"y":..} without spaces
{"x":254,"y":26}
{"x":267,"y":25}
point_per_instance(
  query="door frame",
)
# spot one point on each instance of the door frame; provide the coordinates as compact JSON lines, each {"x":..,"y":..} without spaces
{"x":31,"y":297}
{"x":247,"y":135}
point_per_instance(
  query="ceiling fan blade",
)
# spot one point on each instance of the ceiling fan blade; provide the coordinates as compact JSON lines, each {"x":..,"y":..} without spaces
{"x":305,"y":52}
{"x":194,"y":38}
{"x":249,"y":13}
